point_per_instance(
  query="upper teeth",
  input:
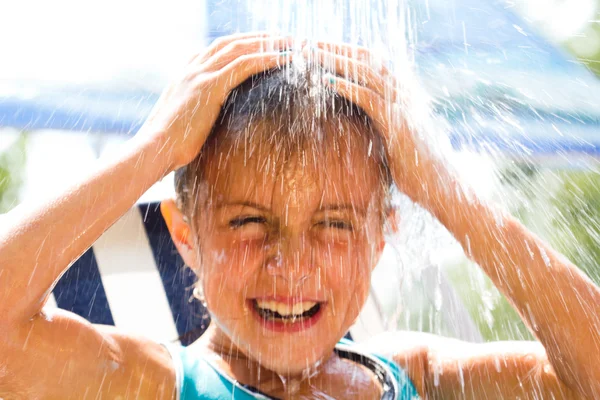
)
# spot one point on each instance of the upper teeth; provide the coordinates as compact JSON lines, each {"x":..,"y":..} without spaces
{"x":286,"y":309}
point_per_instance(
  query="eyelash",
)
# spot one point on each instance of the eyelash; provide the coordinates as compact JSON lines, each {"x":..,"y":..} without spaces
{"x":241,"y":221}
{"x":337,"y":224}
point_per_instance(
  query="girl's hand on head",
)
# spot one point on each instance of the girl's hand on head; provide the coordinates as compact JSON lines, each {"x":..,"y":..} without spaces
{"x":357,"y":75}
{"x":187,"y":109}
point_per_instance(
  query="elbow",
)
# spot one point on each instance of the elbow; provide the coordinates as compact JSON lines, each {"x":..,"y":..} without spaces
{"x":586,"y":388}
{"x":583,"y":381}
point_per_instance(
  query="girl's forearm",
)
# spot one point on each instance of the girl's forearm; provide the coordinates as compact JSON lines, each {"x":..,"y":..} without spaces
{"x":40,"y":239}
{"x":556,"y":300}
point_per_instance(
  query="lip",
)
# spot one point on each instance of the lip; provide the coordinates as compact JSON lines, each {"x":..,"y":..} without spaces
{"x":277,"y":326}
{"x":287,"y":300}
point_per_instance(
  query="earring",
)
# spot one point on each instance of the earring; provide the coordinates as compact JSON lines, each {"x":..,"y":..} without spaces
{"x":198,"y":294}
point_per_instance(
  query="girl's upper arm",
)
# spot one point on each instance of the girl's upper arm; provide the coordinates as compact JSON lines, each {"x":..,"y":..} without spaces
{"x":58,"y":355}
{"x":506,"y":370}
{"x":445,"y":368}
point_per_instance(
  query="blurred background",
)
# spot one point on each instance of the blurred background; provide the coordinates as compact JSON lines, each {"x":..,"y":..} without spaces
{"x":511,"y":85}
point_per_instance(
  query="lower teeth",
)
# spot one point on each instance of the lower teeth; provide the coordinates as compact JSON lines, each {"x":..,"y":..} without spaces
{"x":274,"y":316}
{"x":288,"y":320}
{"x":285,"y":319}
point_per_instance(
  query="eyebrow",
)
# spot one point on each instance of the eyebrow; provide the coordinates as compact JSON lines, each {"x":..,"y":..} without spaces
{"x":332,"y":207}
{"x":243,"y":204}
{"x":344,"y":207}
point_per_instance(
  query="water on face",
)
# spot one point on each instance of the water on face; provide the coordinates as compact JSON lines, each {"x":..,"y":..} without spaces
{"x":504,"y":129}
{"x":510,"y":114}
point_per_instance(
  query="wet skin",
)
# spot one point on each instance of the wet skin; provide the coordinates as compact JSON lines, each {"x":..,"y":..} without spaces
{"x":55,"y":354}
{"x":291,"y":234}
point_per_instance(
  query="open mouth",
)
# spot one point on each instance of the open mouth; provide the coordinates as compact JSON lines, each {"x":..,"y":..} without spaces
{"x":287,"y":316}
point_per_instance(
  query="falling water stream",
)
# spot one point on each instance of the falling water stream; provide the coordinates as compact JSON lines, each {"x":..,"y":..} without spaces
{"x":476,"y":99}
{"x":506,"y":111}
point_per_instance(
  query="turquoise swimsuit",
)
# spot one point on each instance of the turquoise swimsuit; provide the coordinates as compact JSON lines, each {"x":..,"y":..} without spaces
{"x":198,"y":378}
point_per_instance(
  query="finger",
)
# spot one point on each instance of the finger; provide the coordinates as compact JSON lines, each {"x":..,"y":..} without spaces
{"x":348,"y":50}
{"x":362,"y":54}
{"x":239,"y":48}
{"x":354,"y":70}
{"x":247,"y":65}
{"x":223,"y":41}
{"x":383,"y":114}
{"x":365,"y":98}
{"x":357,"y":52}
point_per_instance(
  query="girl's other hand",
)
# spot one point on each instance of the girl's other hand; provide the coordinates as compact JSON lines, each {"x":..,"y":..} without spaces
{"x":532,"y":275}
{"x":187,"y":109}
{"x":359,"y":77}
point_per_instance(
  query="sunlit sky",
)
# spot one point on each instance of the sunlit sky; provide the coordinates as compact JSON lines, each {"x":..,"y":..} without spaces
{"x":74,"y":40}
{"x":558,"y":19}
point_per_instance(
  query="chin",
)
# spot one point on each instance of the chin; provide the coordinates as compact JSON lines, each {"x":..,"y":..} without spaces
{"x":290,"y":354}
{"x":293,"y":353}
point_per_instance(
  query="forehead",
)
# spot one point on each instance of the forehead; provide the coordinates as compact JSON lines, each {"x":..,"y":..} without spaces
{"x":333,"y":167}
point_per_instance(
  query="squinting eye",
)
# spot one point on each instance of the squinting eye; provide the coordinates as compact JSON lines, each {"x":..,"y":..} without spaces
{"x":337,"y":224}
{"x":241,"y":221}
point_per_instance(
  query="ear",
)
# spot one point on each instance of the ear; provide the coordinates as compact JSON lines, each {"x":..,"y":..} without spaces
{"x":379,"y":252}
{"x":180,"y":231}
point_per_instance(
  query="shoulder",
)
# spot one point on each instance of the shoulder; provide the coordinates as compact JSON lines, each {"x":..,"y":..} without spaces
{"x":60,"y":355}
{"x":409,"y":350}
{"x":441,"y":366}
{"x":145,"y":358}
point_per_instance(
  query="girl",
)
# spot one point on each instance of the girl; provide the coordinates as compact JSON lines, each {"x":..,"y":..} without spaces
{"x":282,"y":188}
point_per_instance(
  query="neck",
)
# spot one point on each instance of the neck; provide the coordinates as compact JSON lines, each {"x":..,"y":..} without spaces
{"x":249,"y":371}
{"x":219,"y":343}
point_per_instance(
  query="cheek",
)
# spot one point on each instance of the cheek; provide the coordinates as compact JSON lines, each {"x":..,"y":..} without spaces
{"x":230,"y":262}
{"x":347,"y":267}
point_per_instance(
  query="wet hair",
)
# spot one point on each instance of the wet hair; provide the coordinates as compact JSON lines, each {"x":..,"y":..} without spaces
{"x":289,"y":112}
{"x":300,"y":111}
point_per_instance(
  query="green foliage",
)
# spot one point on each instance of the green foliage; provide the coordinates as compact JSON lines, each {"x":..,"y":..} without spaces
{"x":563,"y":207}
{"x":493,"y":315}
{"x":585,"y":45}
{"x":577,"y":220}
{"x":12,"y":166}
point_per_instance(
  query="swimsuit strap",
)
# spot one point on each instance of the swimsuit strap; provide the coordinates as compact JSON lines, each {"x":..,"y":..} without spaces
{"x":375,"y":365}
{"x":199,"y":378}
{"x":385,"y":377}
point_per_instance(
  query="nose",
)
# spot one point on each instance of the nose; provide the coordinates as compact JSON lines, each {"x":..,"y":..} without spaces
{"x":291,"y":259}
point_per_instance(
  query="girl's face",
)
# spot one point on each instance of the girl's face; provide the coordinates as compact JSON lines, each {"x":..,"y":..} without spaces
{"x":286,"y":254}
